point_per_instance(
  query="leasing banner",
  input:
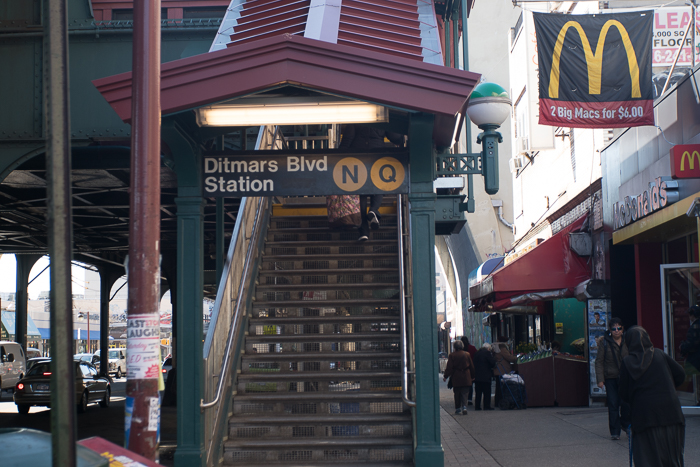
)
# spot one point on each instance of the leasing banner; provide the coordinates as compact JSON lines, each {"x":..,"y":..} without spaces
{"x":595,"y":70}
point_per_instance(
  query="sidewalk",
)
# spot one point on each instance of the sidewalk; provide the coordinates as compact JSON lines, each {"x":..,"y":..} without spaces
{"x":539,"y":437}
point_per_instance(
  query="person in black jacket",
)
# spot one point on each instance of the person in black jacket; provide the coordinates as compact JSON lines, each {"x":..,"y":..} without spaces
{"x":365,"y":138}
{"x":648,"y":378}
{"x":484,"y":362}
{"x":611,"y":351}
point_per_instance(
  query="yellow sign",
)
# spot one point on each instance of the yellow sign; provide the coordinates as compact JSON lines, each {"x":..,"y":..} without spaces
{"x":691,"y":160}
{"x":350,"y":174}
{"x":387,"y":174}
{"x":594,"y":61}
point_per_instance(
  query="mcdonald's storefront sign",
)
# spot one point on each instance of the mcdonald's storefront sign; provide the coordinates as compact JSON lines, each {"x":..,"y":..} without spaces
{"x":685,"y":161}
{"x":595,"y":70}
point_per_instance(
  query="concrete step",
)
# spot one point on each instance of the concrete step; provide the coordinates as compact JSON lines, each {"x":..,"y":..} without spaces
{"x":319,"y":320}
{"x":354,"y":451}
{"x":318,"y":356}
{"x":299,"y":376}
{"x":363,"y":337}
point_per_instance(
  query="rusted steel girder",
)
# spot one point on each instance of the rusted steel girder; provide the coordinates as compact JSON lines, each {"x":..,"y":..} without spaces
{"x":143,"y":319}
{"x":58,"y":167}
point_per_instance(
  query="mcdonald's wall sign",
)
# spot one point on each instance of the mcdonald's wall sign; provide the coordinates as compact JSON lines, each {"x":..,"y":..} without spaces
{"x":685,"y":161}
{"x":595,"y":70}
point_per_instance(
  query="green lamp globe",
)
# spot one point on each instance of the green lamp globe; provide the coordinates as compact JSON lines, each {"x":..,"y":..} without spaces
{"x":489,"y":105}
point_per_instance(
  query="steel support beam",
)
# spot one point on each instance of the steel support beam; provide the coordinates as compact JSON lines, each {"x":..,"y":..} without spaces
{"x":189,"y":294}
{"x":58,"y":168}
{"x":24,"y":267}
{"x":428,"y":449}
{"x":190,"y":383}
{"x":108,"y":276}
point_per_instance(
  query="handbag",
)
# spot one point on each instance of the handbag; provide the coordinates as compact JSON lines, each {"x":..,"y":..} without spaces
{"x":449,"y":383}
{"x":343,"y":211}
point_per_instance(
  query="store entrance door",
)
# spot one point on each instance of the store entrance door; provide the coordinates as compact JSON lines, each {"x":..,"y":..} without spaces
{"x":680,"y":284}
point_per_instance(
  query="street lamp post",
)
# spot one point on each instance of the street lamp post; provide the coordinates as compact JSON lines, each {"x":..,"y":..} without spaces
{"x":489,"y":106}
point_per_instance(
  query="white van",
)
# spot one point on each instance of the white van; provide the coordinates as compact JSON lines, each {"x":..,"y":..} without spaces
{"x":12,"y":364}
{"x":117,"y":361}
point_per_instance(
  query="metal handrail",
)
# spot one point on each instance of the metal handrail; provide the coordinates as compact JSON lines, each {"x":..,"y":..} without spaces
{"x":402,"y":306}
{"x":225,"y":365}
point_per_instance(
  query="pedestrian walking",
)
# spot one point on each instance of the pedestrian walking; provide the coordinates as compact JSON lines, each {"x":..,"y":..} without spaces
{"x":504,"y":361}
{"x":364,"y":137}
{"x":611,"y":350}
{"x":460,"y":370}
{"x":484,"y":362}
{"x":472,"y":353}
{"x":648,"y":382}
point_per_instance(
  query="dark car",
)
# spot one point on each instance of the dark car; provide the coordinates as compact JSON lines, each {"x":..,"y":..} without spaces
{"x":33,"y":361}
{"x":35,"y":387}
{"x":167,"y":366}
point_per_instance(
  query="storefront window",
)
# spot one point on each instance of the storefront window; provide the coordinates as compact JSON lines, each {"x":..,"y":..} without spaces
{"x":681,"y":288}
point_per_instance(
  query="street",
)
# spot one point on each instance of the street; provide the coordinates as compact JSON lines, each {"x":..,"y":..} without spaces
{"x":107,"y":423}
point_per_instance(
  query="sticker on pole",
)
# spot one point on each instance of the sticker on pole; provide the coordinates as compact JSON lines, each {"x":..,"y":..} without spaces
{"x":143,"y":346}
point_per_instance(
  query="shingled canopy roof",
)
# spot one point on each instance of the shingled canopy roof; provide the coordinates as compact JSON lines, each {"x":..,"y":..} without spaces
{"x":346,"y":71}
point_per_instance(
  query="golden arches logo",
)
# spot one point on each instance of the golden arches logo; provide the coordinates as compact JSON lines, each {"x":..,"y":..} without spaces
{"x":691,"y":160}
{"x":594,"y":61}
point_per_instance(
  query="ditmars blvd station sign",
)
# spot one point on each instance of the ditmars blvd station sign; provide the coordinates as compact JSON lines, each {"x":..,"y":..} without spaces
{"x":300,"y":173}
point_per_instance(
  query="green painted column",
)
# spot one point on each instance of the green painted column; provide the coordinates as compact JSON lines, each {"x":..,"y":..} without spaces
{"x":190,"y":378}
{"x":428,"y":448}
{"x":189,"y":289}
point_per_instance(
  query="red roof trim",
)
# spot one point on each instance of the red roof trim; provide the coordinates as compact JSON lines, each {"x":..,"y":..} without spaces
{"x":255,"y":66}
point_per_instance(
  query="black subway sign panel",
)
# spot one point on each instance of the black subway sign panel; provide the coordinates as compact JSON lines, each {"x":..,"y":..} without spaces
{"x":312,"y":173}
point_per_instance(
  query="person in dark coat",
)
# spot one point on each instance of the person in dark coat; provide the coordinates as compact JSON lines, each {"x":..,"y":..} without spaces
{"x":504,"y":364}
{"x":611,"y":351}
{"x":484,"y":362}
{"x":648,"y":382}
{"x":366,"y":138}
{"x":690,"y":347}
{"x":472,"y":353}
{"x":461,"y":368}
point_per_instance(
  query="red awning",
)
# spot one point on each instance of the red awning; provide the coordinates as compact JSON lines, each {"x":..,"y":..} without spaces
{"x":548,"y":272}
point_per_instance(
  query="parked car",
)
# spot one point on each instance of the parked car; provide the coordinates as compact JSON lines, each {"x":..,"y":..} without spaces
{"x":12,"y":364}
{"x":167,"y":366}
{"x":117,"y":361}
{"x":83,"y":357}
{"x":32,"y":352}
{"x":35,"y":388}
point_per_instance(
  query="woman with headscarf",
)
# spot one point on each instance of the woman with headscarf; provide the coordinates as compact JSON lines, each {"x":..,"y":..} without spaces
{"x":648,"y":378}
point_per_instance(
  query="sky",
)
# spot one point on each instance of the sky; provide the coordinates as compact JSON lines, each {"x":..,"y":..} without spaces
{"x":8,"y":269}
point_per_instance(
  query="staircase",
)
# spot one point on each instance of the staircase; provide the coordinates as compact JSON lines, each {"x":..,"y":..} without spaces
{"x":320,"y":380}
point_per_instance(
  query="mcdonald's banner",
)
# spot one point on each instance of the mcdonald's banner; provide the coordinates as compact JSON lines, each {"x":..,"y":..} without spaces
{"x":685,"y":161}
{"x":595,"y":70}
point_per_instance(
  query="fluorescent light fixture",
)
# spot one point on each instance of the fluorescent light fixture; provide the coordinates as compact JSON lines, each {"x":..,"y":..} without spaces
{"x":291,"y":113}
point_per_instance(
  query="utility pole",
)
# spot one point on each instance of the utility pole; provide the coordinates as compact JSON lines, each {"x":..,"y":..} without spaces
{"x":143,"y":320}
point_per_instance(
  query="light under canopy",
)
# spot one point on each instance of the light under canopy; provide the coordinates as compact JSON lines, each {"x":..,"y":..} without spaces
{"x":298,"y":113}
